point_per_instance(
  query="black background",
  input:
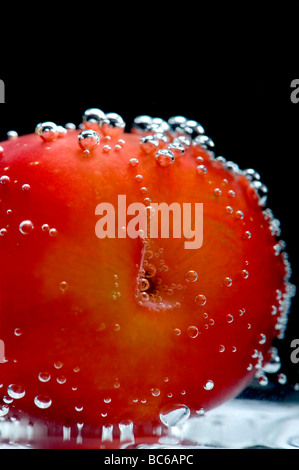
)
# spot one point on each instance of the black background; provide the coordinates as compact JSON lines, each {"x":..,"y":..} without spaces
{"x":228,"y":67}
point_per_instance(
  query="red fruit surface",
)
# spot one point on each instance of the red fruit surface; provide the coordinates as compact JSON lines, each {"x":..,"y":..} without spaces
{"x":83,"y":334}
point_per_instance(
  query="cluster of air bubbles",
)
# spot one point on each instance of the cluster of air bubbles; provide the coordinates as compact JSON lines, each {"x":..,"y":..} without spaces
{"x":169,"y":139}
{"x":111,"y":124}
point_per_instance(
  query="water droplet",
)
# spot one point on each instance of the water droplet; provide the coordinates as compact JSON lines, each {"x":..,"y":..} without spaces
{"x":44,"y":376}
{"x":209,"y":385}
{"x":26,"y":227}
{"x":201,"y":169}
{"x":5,"y":179}
{"x":155,"y":392}
{"x":47,"y":131}
{"x":88,"y":139}
{"x":229,"y":318}
{"x":174,"y":415}
{"x":26,"y":187}
{"x":247,"y":235}
{"x":191,"y":276}
{"x":200,"y":300}
{"x":45,"y":227}
{"x":239,"y":215}
{"x":16,"y":391}
{"x":221,"y":348}
{"x":231,"y":193}
{"x":192,"y":331}
{"x":177,"y":331}
{"x":18,"y":332}
{"x":164,"y":157}
{"x":3,"y":232}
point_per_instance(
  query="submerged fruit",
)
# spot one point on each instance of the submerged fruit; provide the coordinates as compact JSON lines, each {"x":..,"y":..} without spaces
{"x":108,"y":318}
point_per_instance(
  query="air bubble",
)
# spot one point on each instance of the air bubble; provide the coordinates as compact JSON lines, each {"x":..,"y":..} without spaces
{"x":63,"y":286}
{"x":228,"y":209}
{"x":5,"y":179}
{"x":177,"y":149}
{"x":282,"y":379}
{"x":113,"y":125}
{"x":155,"y":392}
{"x":3,"y":232}
{"x":26,"y":187}
{"x":88,"y":139}
{"x":200,"y":300}
{"x":239,"y":215}
{"x":133,"y":162}
{"x":139,"y":178}
{"x":217,"y":191}
{"x":192,"y":332}
{"x":227,"y":281}
{"x":61,"y":379}
{"x":263,"y":380}
{"x":18,"y":332}
{"x":229,"y":318}
{"x":142,"y":123}
{"x":16,"y":391}
{"x":201,"y":169}
{"x":274,"y":364}
{"x":245,"y":273}
{"x":53,"y":232}
{"x":48,"y":131}
{"x":44,"y":376}
{"x":4,"y":409}
{"x":164,"y":157}
{"x":174,"y":415}
{"x":191,"y":276}
{"x":43,"y":401}
{"x":262,"y":338}
{"x":209,"y":385}
{"x":26,"y":227}
{"x":92,"y":118}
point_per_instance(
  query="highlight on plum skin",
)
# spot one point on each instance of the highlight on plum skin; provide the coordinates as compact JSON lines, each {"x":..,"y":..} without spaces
{"x":160,"y":302}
